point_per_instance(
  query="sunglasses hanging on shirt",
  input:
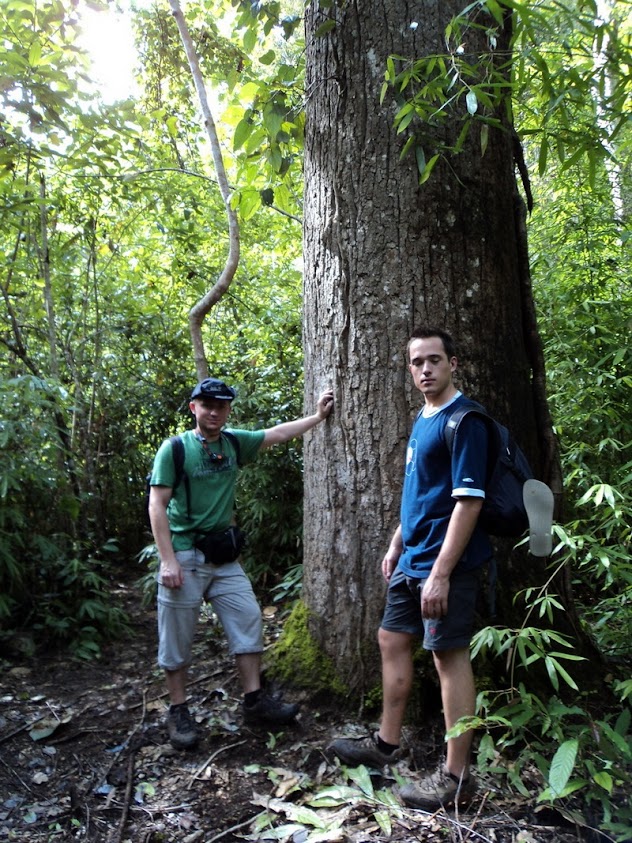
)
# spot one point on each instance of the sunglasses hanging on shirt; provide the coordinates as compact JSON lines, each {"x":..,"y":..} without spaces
{"x":213,"y":455}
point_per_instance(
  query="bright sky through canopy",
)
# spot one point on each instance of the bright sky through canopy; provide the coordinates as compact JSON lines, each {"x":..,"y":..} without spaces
{"x":107,"y":36}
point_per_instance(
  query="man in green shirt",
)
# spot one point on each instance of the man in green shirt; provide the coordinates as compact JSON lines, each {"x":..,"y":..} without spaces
{"x":180,"y":518}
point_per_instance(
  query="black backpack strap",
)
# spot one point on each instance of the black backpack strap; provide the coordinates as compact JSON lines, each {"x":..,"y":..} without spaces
{"x":177,"y":451}
{"x":457,"y":417}
{"x":235,"y":443}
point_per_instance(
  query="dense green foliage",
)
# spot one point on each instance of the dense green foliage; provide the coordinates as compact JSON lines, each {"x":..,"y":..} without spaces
{"x":112,"y":227}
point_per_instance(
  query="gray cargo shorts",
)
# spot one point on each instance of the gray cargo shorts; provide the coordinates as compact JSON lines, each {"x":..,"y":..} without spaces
{"x":227,"y":589}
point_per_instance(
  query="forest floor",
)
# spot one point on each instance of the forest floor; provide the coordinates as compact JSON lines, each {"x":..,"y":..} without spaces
{"x":84,"y":755}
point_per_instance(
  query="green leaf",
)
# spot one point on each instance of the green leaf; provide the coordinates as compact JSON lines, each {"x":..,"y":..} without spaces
{"x":306,"y":816}
{"x":562,"y":766}
{"x":407,"y":147}
{"x":273,"y":118}
{"x":420,"y":156}
{"x":268,"y":58}
{"x":172,"y":126}
{"x":407,"y":116}
{"x":331,"y":797}
{"x":496,"y":11}
{"x":324,"y":28}
{"x":360,"y":775}
{"x":250,"y":40}
{"x":249,"y":203}
{"x":542,"y":157}
{"x":484,"y":138}
{"x":383,"y":819}
{"x":604,"y":780}
{"x":35,"y":53}
{"x":428,"y":169}
{"x":242,"y":133}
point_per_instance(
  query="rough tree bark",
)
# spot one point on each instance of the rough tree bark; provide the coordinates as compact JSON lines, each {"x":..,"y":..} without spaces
{"x":383,"y":254}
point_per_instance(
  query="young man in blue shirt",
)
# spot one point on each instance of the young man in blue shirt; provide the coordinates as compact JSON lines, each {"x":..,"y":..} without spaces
{"x":432,"y":567}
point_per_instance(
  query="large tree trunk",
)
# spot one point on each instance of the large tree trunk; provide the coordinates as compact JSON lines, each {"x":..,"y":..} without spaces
{"x":383,"y":254}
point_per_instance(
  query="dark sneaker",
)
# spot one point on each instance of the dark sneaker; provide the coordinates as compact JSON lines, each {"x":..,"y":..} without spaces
{"x":354,"y":751}
{"x":183,"y":732}
{"x":271,"y":710}
{"x":439,"y":790}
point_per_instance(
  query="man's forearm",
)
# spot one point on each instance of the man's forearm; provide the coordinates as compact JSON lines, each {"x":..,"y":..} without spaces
{"x":462,"y":523}
{"x":397,"y":543}
{"x":290,"y":430}
{"x":162,"y":533}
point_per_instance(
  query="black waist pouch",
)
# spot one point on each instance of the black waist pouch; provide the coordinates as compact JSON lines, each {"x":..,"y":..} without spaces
{"x":223,"y":546}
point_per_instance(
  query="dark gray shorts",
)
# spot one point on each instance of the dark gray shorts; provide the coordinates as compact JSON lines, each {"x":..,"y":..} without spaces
{"x":451,"y":632}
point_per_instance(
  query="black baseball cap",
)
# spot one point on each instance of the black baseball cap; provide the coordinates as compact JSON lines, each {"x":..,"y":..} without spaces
{"x":213,"y":388}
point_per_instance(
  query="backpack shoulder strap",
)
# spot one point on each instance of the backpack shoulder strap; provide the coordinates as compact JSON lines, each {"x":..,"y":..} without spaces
{"x":235,"y":443}
{"x":457,"y":417}
{"x":177,"y":451}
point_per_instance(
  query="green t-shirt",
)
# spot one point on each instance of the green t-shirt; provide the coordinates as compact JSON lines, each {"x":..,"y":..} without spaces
{"x":211,"y":482}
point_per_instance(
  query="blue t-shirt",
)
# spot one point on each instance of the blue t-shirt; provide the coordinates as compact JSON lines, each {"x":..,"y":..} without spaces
{"x":434,"y":481}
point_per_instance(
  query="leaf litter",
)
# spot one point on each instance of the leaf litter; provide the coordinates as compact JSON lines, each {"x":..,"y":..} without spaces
{"x":84,"y":755}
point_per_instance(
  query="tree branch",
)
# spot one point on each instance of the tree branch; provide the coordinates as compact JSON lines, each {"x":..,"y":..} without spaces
{"x":204,"y":305}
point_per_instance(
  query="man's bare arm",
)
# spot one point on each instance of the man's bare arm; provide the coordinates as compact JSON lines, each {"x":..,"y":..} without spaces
{"x":170,"y":571}
{"x":434,"y":597}
{"x":290,"y":430}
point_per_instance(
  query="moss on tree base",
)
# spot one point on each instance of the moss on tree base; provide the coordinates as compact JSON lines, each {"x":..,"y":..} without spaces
{"x":297,"y":658}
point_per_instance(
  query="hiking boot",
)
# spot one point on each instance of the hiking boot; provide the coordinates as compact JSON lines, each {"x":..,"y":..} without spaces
{"x":438,"y":790}
{"x":355,"y":751}
{"x":269,"y":709}
{"x":183,"y":732}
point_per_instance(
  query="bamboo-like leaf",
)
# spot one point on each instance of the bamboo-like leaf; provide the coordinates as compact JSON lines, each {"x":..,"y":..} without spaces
{"x":420,"y":157}
{"x":428,"y":169}
{"x":484,"y":137}
{"x":550,"y":665}
{"x":496,"y":10}
{"x":407,"y":116}
{"x":542,"y":157}
{"x":407,"y":146}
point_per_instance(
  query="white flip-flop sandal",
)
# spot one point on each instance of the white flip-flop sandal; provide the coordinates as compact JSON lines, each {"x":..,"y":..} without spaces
{"x":538,"y":501}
